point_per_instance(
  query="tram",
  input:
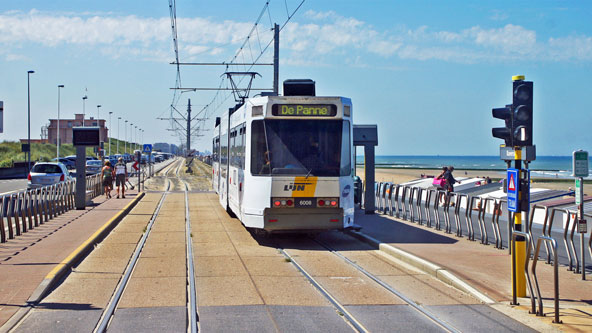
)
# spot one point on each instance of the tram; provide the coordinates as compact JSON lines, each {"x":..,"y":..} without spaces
{"x":285,"y":163}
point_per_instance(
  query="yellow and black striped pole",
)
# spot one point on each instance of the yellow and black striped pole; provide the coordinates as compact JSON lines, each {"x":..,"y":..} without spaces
{"x":519,"y":256}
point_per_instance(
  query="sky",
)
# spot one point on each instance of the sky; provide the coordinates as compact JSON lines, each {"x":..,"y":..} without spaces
{"x":427,"y":72}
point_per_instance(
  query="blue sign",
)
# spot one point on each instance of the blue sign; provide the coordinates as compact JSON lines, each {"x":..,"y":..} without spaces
{"x":147,"y":148}
{"x":512,"y":187}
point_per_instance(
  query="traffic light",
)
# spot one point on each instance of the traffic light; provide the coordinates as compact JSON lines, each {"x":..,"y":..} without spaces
{"x":522,"y":109}
{"x":505,"y":133}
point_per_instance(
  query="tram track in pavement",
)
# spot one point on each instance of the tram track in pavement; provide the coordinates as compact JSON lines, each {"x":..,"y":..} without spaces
{"x":425,"y":312}
{"x":351,"y":319}
{"x":191,"y":305}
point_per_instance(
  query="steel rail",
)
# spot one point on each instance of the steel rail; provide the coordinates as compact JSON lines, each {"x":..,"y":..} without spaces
{"x":341,"y":308}
{"x":191,"y":289}
{"x":107,"y":315}
{"x":443,"y":324}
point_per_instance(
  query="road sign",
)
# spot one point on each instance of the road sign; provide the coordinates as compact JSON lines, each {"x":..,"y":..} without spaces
{"x":135,"y":165}
{"x":579,"y":191}
{"x":580,"y":163}
{"x":147,"y":148}
{"x":513,"y":188}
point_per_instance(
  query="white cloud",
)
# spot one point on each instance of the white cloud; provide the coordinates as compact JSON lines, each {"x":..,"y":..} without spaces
{"x":318,"y":37}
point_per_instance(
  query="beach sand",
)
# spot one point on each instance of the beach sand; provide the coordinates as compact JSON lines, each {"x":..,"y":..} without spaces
{"x":399,"y":176}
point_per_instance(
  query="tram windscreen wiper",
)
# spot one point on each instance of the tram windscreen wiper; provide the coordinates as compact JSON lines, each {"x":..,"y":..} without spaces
{"x":308,"y":174}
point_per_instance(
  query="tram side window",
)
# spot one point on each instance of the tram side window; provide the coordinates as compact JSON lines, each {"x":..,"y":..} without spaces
{"x":233,"y":148}
{"x":224,"y":149}
{"x":259,"y":161}
{"x":215,"y":147}
{"x":345,"y":169}
{"x":243,"y":141}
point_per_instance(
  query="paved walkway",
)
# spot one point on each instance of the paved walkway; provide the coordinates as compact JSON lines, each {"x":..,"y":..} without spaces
{"x":26,"y":260}
{"x":483,"y":267}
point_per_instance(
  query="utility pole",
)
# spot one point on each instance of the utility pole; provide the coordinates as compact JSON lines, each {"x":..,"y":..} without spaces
{"x":188,"y":126}
{"x":276,"y":58}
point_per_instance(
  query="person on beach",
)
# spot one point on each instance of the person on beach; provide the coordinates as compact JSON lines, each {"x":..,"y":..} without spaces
{"x":107,"y":177}
{"x":450,"y":181}
{"x":120,"y":177}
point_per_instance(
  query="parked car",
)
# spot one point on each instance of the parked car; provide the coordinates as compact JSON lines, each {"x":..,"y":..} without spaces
{"x":47,"y":173}
{"x":70,"y":164}
{"x":93,"y":167}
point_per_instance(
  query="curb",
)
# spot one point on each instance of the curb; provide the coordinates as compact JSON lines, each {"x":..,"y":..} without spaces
{"x":61,"y":269}
{"x":430,"y":268}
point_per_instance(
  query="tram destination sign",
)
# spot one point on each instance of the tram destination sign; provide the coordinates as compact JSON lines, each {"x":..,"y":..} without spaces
{"x":304,"y":110}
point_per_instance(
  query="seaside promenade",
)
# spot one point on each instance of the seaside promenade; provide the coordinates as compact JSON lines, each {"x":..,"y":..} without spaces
{"x":65,"y":276}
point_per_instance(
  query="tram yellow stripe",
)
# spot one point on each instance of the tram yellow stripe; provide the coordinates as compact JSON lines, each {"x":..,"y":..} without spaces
{"x":304,"y":187}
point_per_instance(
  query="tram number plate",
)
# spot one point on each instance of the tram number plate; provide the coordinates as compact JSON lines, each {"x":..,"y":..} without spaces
{"x":305,"y":202}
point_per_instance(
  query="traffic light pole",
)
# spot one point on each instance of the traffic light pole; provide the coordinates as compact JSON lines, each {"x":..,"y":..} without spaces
{"x":517,"y":135}
{"x":519,"y":257}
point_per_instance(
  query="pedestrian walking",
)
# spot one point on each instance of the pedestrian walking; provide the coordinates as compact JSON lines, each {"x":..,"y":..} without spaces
{"x":107,"y":177}
{"x":120,"y":177}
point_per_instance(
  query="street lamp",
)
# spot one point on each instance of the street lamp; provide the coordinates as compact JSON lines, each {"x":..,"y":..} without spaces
{"x":136,"y":137}
{"x":118,"y":119}
{"x":98,"y":106}
{"x":58,"y":126}
{"x":84,"y":98}
{"x":29,"y":119}
{"x":131,"y":137}
{"x":108,"y":135}
{"x":125,"y":137}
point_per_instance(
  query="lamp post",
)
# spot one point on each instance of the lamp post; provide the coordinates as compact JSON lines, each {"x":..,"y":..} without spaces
{"x":98,"y":106}
{"x":84,"y":98}
{"x":58,"y":126}
{"x":131,"y":137}
{"x":118,"y":137}
{"x":136,"y":137}
{"x":108,"y":135}
{"x":29,"y":119}
{"x":125,"y":137}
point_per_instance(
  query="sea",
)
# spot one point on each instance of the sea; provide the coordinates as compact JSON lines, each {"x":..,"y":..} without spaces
{"x":543,"y":166}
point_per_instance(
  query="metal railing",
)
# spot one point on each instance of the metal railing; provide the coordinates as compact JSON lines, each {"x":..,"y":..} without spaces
{"x":553,"y":244}
{"x":21,"y":211}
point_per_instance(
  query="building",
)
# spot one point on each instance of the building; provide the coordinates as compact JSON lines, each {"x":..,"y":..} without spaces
{"x":66,"y":128}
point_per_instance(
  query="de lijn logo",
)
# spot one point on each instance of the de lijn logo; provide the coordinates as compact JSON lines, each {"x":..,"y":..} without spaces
{"x":296,"y":186}
{"x":345,"y":191}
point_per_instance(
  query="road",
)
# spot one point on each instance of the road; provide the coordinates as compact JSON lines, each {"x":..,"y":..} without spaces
{"x":9,"y":185}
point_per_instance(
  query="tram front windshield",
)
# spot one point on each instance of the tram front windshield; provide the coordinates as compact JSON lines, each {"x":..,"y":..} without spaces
{"x":300,"y":147}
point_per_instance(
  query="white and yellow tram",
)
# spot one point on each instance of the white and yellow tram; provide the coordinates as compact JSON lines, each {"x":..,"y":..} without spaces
{"x":285,"y":163}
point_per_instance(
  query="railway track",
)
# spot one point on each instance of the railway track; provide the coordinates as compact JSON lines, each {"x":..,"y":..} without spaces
{"x":341,"y":309}
{"x":112,"y":306}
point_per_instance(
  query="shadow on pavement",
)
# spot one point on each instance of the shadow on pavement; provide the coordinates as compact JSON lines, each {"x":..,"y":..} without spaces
{"x":390,"y":231}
